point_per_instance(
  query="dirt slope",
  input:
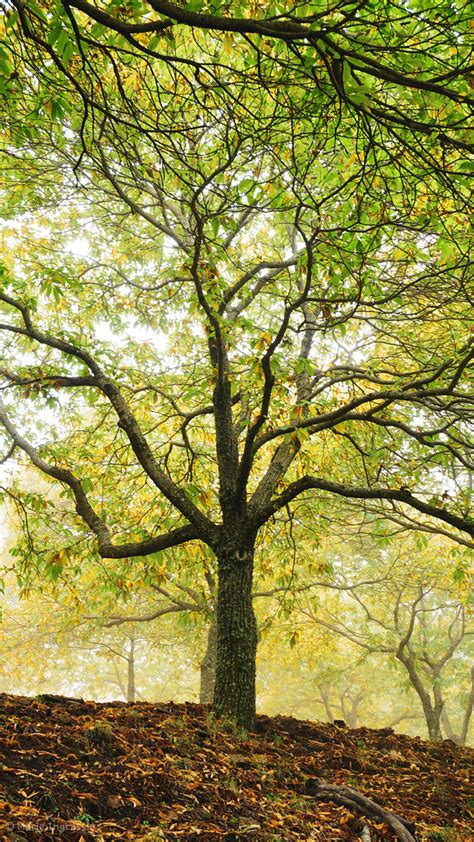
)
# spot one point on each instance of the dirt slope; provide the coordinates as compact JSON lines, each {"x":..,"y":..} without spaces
{"x":74,"y":770}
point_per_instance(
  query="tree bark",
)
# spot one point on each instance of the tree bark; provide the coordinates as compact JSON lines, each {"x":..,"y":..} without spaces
{"x":434,"y":726}
{"x":208,"y":666}
{"x":355,"y":801}
{"x":131,"y":693}
{"x":448,"y":730}
{"x":432,"y":712}
{"x":234,"y":692}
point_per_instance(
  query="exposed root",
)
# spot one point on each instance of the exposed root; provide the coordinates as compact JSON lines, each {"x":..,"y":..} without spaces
{"x":359,"y":803}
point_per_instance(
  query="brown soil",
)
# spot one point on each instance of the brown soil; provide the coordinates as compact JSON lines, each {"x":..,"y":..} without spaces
{"x":73,"y":770}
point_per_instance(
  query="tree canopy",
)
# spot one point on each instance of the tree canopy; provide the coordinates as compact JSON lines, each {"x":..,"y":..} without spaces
{"x":238,"y":278}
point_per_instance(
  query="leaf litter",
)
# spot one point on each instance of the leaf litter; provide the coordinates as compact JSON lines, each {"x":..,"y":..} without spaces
{"x":81,"y":770}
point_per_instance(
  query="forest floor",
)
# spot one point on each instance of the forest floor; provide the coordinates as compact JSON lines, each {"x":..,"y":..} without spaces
{"x":76,"y":770}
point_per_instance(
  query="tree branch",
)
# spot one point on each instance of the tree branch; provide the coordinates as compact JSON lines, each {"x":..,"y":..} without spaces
{"x":262,"y":514}
{"x":116,"y":25}
{"x":84,"y":509}
{"x":127,"y":422}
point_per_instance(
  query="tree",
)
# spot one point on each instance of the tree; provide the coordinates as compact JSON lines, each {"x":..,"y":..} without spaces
{"x":49,"y":647}
{"x":325,"y":678}
{"x":171,"y":597}
{"x":273,"y":305}
{"x":413,"y":615}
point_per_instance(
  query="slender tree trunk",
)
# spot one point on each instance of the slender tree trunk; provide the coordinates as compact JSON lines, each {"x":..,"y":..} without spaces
{"x":432,"y":712}
{"x":460,"y":738}
{"x":323,"y":689}
{"x":131,"y":672}
{"x":468,"y":712}
{"x":350,"y":710}
{"x":234,"y":693}
{"x":208,"y":666}
{"x":448,"y":729}
{"x":434,"y":725}
{"x":437,"y":708}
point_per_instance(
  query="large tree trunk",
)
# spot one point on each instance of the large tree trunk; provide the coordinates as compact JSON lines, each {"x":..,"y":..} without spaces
{"x":234,"y":692}
{"x":208,"y":666}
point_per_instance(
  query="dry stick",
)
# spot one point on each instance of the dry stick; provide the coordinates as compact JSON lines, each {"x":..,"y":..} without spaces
{"x":354,"y":800}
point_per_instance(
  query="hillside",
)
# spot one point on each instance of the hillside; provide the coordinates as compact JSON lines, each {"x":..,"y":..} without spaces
{"x":77,"y":770}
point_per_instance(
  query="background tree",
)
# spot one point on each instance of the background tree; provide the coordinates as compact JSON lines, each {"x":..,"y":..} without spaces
{"x":273,"y":302}
{"x":415,"y":615}
{"x":47,"y":647}
{"x":322,"y":677}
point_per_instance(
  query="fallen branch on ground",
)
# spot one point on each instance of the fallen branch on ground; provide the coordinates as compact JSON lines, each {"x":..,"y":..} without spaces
{"x":354,"y":800}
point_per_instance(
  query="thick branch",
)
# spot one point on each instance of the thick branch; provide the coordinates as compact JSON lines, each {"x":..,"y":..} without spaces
{"x":285,"y":30}
{"x":401,"y":495}
{"x":112,"y":23}
{"x":84,"y":509}
{"x":127,"y":422}
{"x":173,"y":538}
